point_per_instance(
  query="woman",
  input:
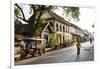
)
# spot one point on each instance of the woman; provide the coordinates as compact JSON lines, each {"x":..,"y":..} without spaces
{"x":78,"y":45}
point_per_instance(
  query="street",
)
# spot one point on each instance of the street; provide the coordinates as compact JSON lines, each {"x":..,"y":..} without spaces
{"x":68,"y":54}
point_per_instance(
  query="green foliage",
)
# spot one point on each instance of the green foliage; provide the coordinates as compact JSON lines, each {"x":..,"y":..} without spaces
{"x":17,"y":12}
{"x":37,"y":32}
{"x":74,"y":12}
{"x":53,"y":40}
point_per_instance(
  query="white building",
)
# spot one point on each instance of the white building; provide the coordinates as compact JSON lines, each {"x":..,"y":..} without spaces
{"x":64,"y":31}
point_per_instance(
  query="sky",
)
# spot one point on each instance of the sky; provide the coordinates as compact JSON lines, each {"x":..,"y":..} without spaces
{"x":87,"y":17}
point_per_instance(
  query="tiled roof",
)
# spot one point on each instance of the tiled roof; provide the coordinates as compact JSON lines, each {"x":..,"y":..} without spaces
{"x":57,"y":17}
{"x":63,"y":20}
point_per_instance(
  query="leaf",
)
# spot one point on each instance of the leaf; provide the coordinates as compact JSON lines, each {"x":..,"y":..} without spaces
{"x":73,"y":12}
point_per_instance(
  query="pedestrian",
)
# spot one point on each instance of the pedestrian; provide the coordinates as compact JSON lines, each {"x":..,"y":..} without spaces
{"x":90,"y":40}
{"x":22,"y":44}
{"x":78,"y":45}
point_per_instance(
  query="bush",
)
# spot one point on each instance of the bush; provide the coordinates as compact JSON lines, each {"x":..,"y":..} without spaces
{"x":53,"y":41}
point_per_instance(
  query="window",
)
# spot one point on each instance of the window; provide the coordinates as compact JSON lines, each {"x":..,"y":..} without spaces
{"x":57,"y":27}
{"x":63,"y":29}
{"x":63,"y":38}
{"x":46,"y":37}
{"x":51,"y":23}
{"x":66,"y":29}
{"x":60,"y":28}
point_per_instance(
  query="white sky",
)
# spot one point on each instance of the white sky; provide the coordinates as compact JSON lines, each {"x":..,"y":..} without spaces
{"x":87,"y":17}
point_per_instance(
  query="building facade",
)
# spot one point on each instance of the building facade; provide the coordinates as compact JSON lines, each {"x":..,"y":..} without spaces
{"x":64,"y":31}
{"x":56,"y":27}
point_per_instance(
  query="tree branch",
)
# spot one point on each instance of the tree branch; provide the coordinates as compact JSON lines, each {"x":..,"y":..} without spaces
{"x":39,"y":16}
{"x":22,"y":19}
{"x":33,"y":17}
{"x":21,"y":12}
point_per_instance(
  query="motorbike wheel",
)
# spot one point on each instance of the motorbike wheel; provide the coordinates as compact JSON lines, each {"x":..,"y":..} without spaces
{"x":22,"y":56}
{"x":33,"y":54}
{"x":40,"y":52}
{"x":44,"y":51}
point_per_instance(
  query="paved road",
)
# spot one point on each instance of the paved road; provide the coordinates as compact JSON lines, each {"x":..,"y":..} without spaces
{"x":63,"y":55}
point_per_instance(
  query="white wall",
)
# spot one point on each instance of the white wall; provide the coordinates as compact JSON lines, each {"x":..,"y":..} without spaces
{"x":68,"y":35}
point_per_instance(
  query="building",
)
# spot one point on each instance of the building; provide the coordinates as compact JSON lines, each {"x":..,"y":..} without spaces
{"x":57,"y":27}
{"x":65,"y":31}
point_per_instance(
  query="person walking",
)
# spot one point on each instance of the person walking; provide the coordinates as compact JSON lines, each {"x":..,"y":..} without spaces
{"x":78,"y":45}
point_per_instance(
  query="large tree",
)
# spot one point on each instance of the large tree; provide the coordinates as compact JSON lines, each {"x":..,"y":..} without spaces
{"x":37,"y":11}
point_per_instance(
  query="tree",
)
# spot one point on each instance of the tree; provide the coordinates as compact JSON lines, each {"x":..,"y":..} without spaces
{"x":33,"y":21}
{"x":72,"y":13}
{"x":37,"y":11}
